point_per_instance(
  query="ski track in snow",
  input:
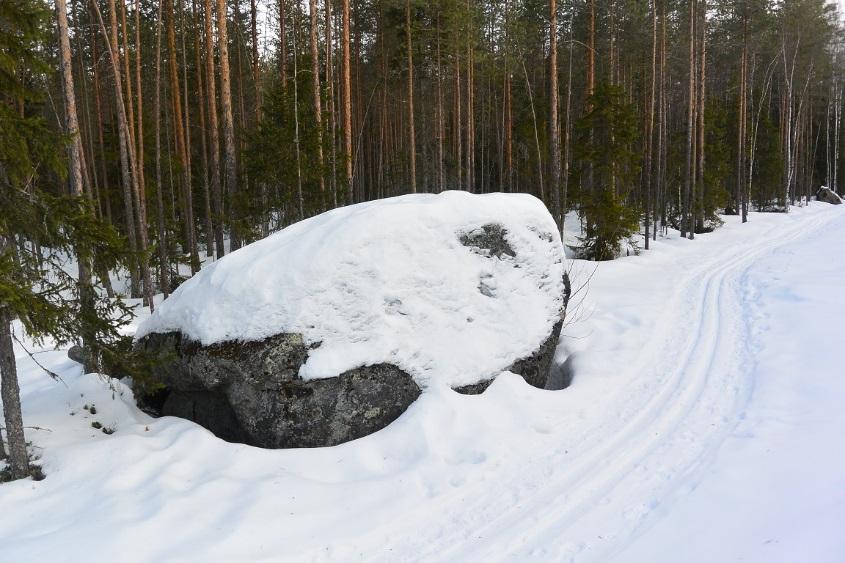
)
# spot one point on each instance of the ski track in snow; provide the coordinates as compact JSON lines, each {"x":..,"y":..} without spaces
{"x":698,"y":389}
{"x":514,"y":474}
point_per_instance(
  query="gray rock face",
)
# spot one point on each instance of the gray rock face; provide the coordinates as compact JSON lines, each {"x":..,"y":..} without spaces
{"x":828,"y":196}
{"x":251,"y":392}
{"x":488,"y":240}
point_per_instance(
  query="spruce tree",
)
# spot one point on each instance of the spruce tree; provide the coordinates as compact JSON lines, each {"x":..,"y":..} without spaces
{"x":40,"y":224}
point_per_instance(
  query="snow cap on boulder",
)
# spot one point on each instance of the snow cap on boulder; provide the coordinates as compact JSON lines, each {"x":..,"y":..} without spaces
{"x":451,"y":288}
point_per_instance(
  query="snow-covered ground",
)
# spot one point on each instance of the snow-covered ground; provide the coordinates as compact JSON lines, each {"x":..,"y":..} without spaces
{"x":705,"y":423}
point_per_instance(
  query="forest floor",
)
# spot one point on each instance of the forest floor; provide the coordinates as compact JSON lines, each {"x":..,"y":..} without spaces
{"x":704,"y":423}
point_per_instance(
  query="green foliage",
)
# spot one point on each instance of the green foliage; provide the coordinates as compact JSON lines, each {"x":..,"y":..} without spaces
{"x":718,"y":167}
{"x":607,"y":135}
{"x":768,"y":167}
{"x":271,"y":162}
{"x":608,"y":222}
{"x":40,"y":231}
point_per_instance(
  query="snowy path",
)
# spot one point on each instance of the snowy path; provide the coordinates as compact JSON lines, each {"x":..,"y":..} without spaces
{"x":705,"y":423}
{"x":690,"y":377}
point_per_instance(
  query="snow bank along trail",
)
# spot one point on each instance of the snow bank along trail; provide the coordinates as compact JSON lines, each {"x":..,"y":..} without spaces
{"x":517,"y":473}
{"x":675,"y":403}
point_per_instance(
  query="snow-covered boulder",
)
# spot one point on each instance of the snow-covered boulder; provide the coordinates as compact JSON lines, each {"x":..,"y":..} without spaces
{"x":327,"y":330}
{"x":828,"y":196}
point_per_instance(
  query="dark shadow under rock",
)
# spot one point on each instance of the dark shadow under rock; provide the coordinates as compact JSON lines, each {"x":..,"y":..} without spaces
{"x":561,"y":375}
{"x":251,"y":392}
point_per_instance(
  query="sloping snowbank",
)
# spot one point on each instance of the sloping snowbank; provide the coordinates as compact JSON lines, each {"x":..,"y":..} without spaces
{"x":703,"y":425}
{"x":387,"y":281}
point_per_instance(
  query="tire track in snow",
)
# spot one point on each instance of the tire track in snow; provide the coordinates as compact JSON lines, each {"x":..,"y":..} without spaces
{"x":627,"y":464}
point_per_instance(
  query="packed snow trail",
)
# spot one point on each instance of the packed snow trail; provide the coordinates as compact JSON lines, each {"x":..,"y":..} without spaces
{"x":703,"y":425}
{"x":691,"y":379}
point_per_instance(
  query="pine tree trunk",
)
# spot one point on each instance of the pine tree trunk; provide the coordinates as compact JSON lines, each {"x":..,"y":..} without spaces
{"x":189,"y":230}
{"x":591,"y":84}
{"x":299,"y":194}
{"x":347,"y":103}
{"x":689,"y":178}
{"x":139,"y":145}
{"x":256,"y":76}
{"x":542,"y":193}
{"x":129,"y":103}
{"x":741,"y":125}
{"x":567,"y":150}
{"x":213,"y":130}
{"x":459,"y":141}
{"x":699,"y":222}
{"x":126,"y":152}
{"x":664,"y":126}
{"x":508,"y":132}
{"x":554,"y":141}
{"x":331,"y":100}
{"x":164,"y":278}
{"x":228,"y":121}
{"x":470,"y":110}
{"x":412,"y":147}
{"x":11,"y":396}
{"x":315,"y":85}
{"x":439,"y":124}
{"x":649,"y":177}
{"x":104,"y":193}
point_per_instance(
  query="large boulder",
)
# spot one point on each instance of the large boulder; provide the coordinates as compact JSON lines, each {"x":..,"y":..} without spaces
{"x":328,"y":330}
{"x":828,"y":196}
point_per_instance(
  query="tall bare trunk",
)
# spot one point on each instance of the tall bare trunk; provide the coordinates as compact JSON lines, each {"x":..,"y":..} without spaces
{"x":283,"y":51}
{"x":140,"y":194}
{"x":213,"y":130}
{"x":591,"y":82}
{"x":206,"y":189}
{"x":315,"y":85}
{"x":702,"y":59}
{"x":554,"y":141}
{"x":19,"y":462}
{"x":347,"y":102}
{"x":439,"y":124}
{"x":691,"y":91}
{"x":104,"y":193}
{"x":331,"y":100}
{"x":256,"y":76}
{"x":470,"y":109}
{"x":139,"y":145}
{"x":228,"y":121}
{"x":299,"y":193}
{"x":649,"y":176}
{"x":10,"y":394}
{"x":542,"y":193}
{"x":127,"y":160}
{"x":568,"y":128}
{"x":124,"y":141}
{"x":179,"y":134}
{"x":412,"y":147}
{"x":741,"y":125}
{"x":162,"y":232}
{"x":459,"y":142}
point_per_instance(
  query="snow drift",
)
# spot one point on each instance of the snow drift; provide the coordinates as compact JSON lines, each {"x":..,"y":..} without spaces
{"x":416,"y":281}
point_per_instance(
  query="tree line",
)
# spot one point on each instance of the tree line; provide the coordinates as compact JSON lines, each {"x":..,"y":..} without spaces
{"x":158,"y":133}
